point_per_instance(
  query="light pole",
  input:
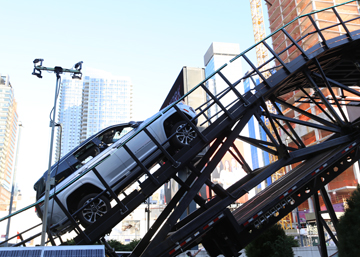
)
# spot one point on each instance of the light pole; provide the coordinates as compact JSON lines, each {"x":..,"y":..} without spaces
{"x":299,"y":225}
{"x":148,"y":214}
{"x":37,"y":72}
{"x":13,"y":183}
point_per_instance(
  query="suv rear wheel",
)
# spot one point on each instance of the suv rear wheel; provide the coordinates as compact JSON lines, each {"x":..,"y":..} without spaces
{"x":92,"y":212}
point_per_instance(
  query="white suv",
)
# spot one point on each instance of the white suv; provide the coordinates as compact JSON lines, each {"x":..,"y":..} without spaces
{"x":113,"y":163}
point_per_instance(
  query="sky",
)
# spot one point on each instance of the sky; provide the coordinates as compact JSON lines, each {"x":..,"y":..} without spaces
{"x":149,"y":41}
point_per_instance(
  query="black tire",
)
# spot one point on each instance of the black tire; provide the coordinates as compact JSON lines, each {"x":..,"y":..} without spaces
{"x":184,"y":134}
{"x":93,"y":211}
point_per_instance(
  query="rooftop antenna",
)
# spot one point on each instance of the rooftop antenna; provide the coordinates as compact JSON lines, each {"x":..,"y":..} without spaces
{"x":76,"y":74}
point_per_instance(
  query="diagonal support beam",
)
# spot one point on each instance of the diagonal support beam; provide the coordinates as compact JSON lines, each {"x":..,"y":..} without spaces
{"x":320,"y":228}
{"x":298,"y":140}
{"x":317,"y":104}
{"x":311,"y":116}
{"x":305,"y":123}
{"x":259,"y":144}
{"x":289,"y":135}
{"x":329,"y":207}
{"x":245,"y":166}
{"x":322,"y":73}
{"x":264,"y":106}
{"x":342,"y":86}
{"x":267,"y":131}
{"x":323,"y":98}
{"x":331,"y":234}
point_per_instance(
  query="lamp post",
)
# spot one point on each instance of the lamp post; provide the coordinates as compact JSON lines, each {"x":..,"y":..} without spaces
{"x":299,"y":225}
{"x":13,"y":184}
{"x":37,"y":72}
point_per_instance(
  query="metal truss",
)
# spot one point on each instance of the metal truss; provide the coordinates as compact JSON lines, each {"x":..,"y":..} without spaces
{"x":307,"y":95}
{"x":324,"y":83}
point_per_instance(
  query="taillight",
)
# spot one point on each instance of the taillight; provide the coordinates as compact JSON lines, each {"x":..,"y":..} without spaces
{"x":40,"y":204}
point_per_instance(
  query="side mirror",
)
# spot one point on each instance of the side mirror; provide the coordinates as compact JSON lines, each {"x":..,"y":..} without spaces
{"x":134,"y":124}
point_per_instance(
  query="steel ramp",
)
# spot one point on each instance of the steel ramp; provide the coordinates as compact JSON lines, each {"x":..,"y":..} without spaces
{"x":324,"y":77}
{"x":216,"y":224}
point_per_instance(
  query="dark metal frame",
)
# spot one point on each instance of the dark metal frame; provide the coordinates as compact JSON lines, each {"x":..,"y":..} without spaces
{"x":313,"y":69}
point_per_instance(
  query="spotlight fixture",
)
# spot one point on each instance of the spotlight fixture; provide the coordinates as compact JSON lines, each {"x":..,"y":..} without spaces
{"x":78,"y":67}
{"x":36,"y":71}
{"x":38,"y":60}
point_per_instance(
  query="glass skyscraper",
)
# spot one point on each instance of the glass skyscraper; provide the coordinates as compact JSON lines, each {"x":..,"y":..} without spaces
{"x":89,"y":105}
{"x":107,"y":101}
{"x":8,"y":139}
{"x":215,"y":57}
{"x":69,"y":115}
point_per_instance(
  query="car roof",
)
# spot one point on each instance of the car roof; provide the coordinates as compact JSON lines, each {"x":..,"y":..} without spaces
{"x":91,"y":138}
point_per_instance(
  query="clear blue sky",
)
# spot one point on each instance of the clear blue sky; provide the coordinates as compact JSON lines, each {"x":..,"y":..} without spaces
{"x":149,"y":41}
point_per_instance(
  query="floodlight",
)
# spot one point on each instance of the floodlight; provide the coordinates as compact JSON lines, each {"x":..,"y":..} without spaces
{"x":78,"y":66}
{"x":38,"y":60}
{"x":37,"y":73}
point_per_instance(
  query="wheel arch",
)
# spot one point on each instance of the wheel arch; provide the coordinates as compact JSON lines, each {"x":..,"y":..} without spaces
{"x":171,"y":121}
{"x":74,"y":198}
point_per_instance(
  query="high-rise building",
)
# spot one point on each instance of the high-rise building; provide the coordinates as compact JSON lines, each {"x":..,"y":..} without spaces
{"x":69,"y":115}
{"x":86,"y":106}
{"x":8,"y":139}
{"x":215,"y":57}
{"x":282,"y":12}
{"x":107,"y":101}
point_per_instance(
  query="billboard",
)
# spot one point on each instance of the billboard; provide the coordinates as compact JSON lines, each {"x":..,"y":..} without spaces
{"x":228,"y":171}
{"x":176,"y":92}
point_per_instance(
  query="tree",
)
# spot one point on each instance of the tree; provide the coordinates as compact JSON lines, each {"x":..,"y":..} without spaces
{"x":120,"y":247}
{"x":348,"y":229}
{"x":133,"y":244}
{"x":273,"y":242}
{"x":116,"y":245}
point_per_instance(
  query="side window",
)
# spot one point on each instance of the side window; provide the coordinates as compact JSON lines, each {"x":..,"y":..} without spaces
{"x":122,"y":133}
{"x":98,"y":144}
{"x":86,"y":153}
{"x":61,"y":172}
{"x":113,"y":135}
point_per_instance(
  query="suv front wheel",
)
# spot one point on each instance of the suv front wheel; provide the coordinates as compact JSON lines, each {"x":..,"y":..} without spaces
{"x":184,"y":134}
{"x":92,"y":212}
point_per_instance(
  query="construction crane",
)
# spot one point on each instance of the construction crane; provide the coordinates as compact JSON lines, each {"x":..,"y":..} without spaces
{"x":259,"y":31}
{"x":262,"y":56}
